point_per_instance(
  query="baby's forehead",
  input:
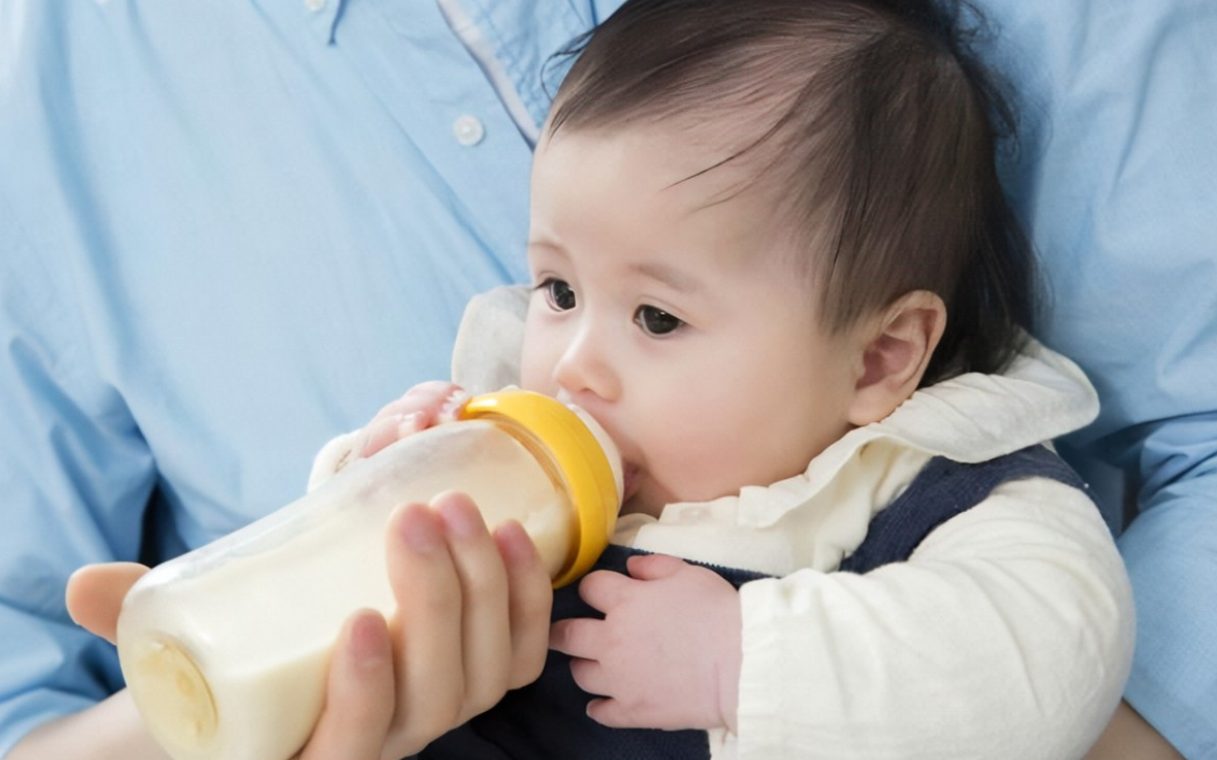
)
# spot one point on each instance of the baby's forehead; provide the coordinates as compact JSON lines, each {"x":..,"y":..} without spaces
{"x":720,"y":142}
{"x":684,"y":166}
{"x":670,"y":174}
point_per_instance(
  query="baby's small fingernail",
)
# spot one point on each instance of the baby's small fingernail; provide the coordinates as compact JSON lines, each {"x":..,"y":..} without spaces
{"x":452,"y":405}
{"x":360,"y":443}
{"x":407,"y":424}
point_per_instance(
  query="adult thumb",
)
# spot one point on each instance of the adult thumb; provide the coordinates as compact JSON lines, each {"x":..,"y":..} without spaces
{"x":95,"y":595}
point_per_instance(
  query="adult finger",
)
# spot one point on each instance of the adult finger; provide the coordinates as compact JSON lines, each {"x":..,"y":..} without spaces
{"x":530,"y":600}
{"x":486,"y":633}
{"x":426,"y":631}
{"x":95,"y":595}
{"x":360,"y":694}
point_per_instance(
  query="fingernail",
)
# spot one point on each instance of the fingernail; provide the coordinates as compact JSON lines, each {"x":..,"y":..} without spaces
{"x":407,"y":424}
{"x":419,"y":529}
{"x":515,"y":543}
{"x":459,"y":519}
{"x":360,"y":442}
{"x":452,"y":405}
{"x":367,"y":640}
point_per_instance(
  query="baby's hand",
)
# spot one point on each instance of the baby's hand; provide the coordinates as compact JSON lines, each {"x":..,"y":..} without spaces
{"x":423,"y":406}
{"x":667,"y":655}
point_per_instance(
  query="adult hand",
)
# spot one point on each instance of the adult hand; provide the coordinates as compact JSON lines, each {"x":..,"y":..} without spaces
{"x":95,"y":595}
{"x":472,"y":622}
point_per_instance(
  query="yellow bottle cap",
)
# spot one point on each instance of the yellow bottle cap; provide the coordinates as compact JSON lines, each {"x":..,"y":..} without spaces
{"x":580,"y":463}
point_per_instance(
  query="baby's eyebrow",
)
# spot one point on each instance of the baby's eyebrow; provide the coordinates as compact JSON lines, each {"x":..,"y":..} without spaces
{"x":548,"y":249}
{"x":541,"y":242}
{"x":673,"y":277}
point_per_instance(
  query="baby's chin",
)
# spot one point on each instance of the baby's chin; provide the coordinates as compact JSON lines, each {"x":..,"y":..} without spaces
{"x":644,"y":496}
{"x":640,"y":502}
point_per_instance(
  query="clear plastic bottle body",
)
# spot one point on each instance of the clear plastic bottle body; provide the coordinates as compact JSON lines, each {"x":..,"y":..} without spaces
{"x":225,"y":649}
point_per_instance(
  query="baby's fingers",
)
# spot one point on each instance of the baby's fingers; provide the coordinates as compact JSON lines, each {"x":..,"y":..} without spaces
{"x":604,"y":589}
{"x":423,"y":406}
{"x":617,"y":714}
{"x":381,"y":432}
{"x":579,"y":638}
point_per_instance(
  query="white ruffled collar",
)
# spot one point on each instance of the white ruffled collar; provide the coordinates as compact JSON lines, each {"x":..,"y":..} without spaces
{"x":970,"y":418}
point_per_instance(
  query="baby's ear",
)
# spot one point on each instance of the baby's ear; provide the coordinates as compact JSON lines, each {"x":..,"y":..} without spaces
{"x":895,"y":353}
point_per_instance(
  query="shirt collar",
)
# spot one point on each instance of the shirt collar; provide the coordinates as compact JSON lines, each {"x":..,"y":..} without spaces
{"x":1040,"y":397}
{"x":970,"y":418}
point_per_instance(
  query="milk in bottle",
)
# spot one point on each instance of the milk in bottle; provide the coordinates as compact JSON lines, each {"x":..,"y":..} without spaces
{"x":225,"y":649}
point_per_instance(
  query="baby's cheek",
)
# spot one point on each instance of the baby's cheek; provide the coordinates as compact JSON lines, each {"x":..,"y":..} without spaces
{"x":537,"y":360}
{"x":703,"y":469}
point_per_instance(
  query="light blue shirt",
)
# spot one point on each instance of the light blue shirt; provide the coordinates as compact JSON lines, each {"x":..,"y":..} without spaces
{"x":1117,"y":179}
{"x":229,"y":230}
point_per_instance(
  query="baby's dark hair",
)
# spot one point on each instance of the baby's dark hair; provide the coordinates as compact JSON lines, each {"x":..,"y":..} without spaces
{"x":876,"y":121}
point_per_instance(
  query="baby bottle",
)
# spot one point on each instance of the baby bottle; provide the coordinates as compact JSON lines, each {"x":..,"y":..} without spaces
{"x":225,"y":649}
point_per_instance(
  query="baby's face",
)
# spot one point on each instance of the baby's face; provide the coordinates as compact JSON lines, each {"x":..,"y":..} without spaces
{"x":664,"y":306}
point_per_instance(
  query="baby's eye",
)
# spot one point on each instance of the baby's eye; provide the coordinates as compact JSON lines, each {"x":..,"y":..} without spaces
{"x":559,"y":294}
{"x":656,"y":321}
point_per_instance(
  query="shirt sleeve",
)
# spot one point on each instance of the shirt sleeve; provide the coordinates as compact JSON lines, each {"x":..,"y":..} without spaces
{"x":95,"y":475}
{"x":1116,"y":177}
{"x":1008,"y":633}
{"x":1169,"y":549}
{"x":226,"y":234}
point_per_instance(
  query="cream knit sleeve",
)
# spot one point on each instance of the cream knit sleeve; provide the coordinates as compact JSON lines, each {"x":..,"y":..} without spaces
{"x":1008,"y":634}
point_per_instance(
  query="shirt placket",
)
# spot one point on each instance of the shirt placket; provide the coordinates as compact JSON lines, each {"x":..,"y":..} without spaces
{"x":437,"y":94}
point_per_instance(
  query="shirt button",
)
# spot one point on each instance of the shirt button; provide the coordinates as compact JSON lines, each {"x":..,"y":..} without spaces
{"x":468,"y":130}
{"x":314,"y":5}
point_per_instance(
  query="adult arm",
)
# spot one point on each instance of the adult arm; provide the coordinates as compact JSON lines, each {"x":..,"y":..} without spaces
{"x":1130,"y":735}
{"x":1007,"y":634}
{"x":1169,"y":549}
{"x":94,"y":477}
{"x":473,"y":622}
{"x":1115,"y":178}
{"x":108,"y":730}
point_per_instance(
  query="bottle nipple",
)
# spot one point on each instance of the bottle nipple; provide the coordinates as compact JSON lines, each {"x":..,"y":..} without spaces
{"x":580,"y":453}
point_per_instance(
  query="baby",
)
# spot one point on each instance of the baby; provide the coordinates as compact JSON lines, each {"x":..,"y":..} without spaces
{"x":771,"y":256}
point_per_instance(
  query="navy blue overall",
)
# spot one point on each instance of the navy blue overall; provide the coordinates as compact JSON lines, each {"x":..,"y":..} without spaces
{"x":547,"y":720}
